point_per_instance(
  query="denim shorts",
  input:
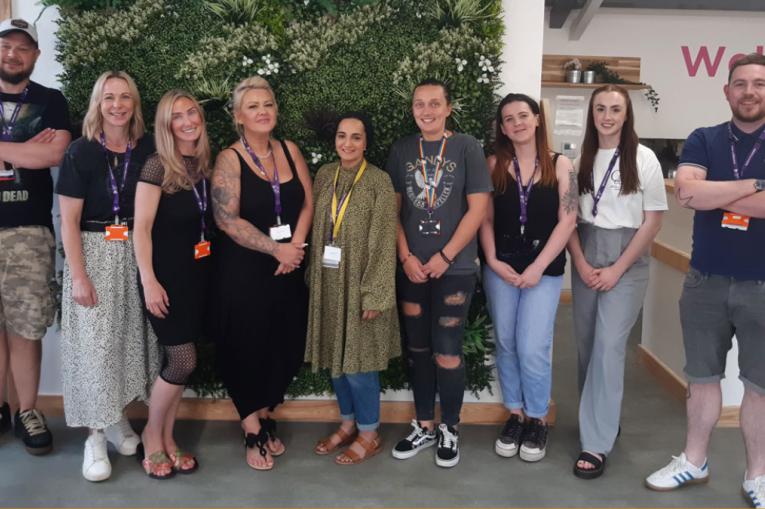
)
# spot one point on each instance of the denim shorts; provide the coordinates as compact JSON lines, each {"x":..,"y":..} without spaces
{"x":712,"y":309}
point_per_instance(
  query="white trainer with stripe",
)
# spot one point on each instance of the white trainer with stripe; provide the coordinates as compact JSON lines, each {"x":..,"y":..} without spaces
{"x":678,"y":473}
{"x":754,"y":491}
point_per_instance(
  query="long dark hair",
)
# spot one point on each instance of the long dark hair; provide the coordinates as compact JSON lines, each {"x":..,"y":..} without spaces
{"x":628,"y":145}
{"x":504,"y":151}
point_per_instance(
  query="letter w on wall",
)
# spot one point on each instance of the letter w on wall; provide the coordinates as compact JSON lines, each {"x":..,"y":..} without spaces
{"x":702,"y":56}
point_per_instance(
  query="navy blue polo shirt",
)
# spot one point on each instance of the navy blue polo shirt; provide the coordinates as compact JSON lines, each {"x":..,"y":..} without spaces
{"x":718,"y":250}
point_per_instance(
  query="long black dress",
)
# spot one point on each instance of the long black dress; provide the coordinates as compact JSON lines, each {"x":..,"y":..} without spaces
{"x":260,"y":319}
{"x":176,"y":230}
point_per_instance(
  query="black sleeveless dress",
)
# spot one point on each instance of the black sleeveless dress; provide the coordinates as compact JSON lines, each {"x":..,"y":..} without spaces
{"x":177,"y":229}
{"x":520,"y":251}
{"x":260,"y":319}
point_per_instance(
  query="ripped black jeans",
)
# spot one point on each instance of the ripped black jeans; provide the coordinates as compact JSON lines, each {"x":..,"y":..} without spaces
{"x":433,"y":318}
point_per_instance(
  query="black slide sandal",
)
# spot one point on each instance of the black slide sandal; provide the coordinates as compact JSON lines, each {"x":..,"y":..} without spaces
{"x":590,"y":473}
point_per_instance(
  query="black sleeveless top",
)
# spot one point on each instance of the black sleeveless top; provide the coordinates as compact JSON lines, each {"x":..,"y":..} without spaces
{"x":518,"y":250}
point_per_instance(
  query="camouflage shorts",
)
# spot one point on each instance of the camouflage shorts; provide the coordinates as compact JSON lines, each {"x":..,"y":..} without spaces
{"x":27,"y":304}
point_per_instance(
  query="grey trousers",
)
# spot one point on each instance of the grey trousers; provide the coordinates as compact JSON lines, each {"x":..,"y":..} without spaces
{"x":602,"y":324}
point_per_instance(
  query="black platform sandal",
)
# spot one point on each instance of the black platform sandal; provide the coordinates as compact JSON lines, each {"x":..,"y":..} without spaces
{"x":590,"y":473}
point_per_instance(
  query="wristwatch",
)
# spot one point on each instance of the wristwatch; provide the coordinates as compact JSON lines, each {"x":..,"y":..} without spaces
{"x":759,"y":185}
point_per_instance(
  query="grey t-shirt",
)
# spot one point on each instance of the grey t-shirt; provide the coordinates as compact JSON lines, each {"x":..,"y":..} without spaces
{"x":464,"y":172}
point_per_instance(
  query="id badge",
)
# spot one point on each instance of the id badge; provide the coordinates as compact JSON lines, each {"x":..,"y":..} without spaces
{"x":430,"y":227}
{"x":331,"y":257}
{"x":7,"y":174}
{"x":116,"y":232}
{"x":735,"y":221}
{"x":280,"y":232}
{"x":202,"y":249}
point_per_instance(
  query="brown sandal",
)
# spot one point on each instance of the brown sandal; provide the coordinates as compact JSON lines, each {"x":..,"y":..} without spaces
{"x":351,"y":457}
{"x":326,"y":445}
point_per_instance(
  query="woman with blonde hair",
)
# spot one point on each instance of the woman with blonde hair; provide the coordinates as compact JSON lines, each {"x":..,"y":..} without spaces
{"x":262,"y":202}
{"x":108,"y":351}
{"x":172,"y":247}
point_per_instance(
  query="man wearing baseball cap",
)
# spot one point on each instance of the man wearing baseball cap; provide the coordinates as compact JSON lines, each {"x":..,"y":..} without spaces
{"x":34,"y":133}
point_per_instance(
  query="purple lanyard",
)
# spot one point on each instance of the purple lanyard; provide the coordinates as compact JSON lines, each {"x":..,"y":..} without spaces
{"x":597,"y":196}
{"x":733,"y":140}
{"x":275,"y":184}
{"x":116,"y":190}
{"x":202,"y":204}
{"x":524,"y":192}
{"x":8,"y":126}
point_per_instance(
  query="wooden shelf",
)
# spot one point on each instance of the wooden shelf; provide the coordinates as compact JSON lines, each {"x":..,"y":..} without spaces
{"x":563,"y":84}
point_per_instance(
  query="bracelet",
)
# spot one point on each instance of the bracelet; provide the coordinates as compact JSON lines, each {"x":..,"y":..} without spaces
{"x":446,"y":258}
{"x":406,"y":257}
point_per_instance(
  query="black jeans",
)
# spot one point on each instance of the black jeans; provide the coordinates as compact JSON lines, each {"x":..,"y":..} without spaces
{"x":433,"y":317}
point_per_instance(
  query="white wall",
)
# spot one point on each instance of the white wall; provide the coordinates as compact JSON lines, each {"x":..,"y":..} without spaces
{"x":658,"y":38}
{"x":523,"y":41}
{"x":47,"y":68}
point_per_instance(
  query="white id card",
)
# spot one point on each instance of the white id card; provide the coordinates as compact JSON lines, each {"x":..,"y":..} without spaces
{"x":331,"y":257}
{"x":280,"y":232}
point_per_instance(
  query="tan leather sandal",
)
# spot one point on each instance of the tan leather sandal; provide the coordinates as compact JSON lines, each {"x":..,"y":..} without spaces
{"x":326,"y":445}
{"x":351,"y":457}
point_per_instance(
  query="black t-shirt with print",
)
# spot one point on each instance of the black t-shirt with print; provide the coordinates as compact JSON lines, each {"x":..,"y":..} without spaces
{"x":26,"y":196}
{"x":84,"y":174}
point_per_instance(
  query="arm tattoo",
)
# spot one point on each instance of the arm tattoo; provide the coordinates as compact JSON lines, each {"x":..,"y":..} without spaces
{"x":685,"y":201}
{"x":225,"y":200}
{"x":570,"y":200}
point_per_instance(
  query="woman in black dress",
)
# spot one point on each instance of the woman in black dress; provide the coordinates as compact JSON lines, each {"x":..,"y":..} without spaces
{"x":172,"y":250}
{"x":262,"y":201}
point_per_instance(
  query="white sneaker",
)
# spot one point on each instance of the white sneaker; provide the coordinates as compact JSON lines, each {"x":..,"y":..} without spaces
{"x":95,"y":465}
{"x":678,"y":473}
{"x":754,"y":491}
{"x":122,"y":437}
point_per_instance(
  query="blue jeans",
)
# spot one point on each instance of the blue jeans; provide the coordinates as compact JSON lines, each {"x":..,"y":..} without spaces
{"x":524,"y":320}
{"x":358,"y":396}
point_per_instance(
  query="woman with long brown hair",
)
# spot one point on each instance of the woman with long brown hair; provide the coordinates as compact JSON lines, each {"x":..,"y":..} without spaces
{"x":620,"y":207}
{"x":172,"y":221}
{"x":524,"y":238}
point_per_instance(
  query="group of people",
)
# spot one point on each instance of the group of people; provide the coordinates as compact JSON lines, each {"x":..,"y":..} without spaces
{"x":359,"y":265}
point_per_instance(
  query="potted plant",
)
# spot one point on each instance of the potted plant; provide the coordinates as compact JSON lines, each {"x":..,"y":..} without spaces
{"x":573,"y":70}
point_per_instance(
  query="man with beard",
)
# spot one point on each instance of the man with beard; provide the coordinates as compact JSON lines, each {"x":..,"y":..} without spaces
{"x":721,"y":176}
{"x":34,"y":132}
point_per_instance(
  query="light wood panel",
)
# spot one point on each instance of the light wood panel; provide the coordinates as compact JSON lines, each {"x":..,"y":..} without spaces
{"x":5,"y":9}
{"x":667,"y":254}
{"x":304,"y":411}
{"x":553,"y":73}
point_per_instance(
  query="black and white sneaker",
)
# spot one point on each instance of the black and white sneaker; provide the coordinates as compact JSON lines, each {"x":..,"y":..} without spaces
{"x":534,"y":440}
{"x":5,"y":418}
{"x":31,"y":428}
{"x":418,"y":439}
{"x":509,"y":440}
{"x":448,"y":452}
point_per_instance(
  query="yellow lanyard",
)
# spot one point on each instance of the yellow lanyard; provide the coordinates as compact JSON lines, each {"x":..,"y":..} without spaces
{"x":338,"y":208}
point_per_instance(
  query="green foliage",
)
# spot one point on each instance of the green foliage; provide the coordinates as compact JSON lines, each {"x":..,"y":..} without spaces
{"x":319,"y":56}
{"x":87,"y":5}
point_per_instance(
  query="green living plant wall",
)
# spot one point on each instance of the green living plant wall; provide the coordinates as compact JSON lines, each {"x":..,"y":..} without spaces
{"x":320,"y":56}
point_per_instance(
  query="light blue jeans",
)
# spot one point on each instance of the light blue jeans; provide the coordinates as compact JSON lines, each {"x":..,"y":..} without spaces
{"x":358,"y":396}
{"x":524,"y":321}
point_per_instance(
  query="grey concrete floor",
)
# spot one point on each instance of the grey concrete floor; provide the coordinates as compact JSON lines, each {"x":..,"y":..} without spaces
{"x":652,"y":430}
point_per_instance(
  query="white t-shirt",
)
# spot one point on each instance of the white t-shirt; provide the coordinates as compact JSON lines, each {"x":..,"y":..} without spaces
{"x":624,"y":211}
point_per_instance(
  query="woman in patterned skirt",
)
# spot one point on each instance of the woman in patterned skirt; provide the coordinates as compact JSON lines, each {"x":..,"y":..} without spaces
{"x":108,"y":352}
{"x":352,"y":321}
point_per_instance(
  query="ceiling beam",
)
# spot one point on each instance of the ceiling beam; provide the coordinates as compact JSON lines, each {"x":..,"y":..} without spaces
{"x":582,"y":21}
{"x":560,"y":11}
